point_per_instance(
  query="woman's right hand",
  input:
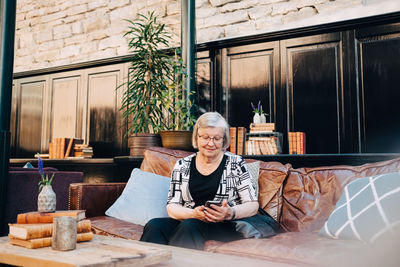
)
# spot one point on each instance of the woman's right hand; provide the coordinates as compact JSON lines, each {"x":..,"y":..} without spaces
{"x":198,"y":213}
{"x":178,"y":212}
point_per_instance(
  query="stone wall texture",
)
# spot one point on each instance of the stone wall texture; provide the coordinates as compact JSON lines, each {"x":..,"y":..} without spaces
{"x":57,"y":33}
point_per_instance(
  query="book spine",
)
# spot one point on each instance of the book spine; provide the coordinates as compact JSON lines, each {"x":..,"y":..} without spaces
{"x":44,"y":217}
{"x":46,"y":241}
{"x":31,"y":243}
{"x":34,"y":218}
{"x":248,"y":148}
{"x":62,"y":148}
{"x":241,"y":134}
{"x":81,"y":237}
{"x":263,"y":148}
{"x":298,"y":149}
{"x":42,"y":230}
{"x":57,"y":150}
{"x":270,"y":147}
{"x":294,"y":145}
{"x":232,"y":133}
{"x":51,"y":150}
{"x":45,"y":229}
{"x":274,"y":145}
{"x":69,"y":148}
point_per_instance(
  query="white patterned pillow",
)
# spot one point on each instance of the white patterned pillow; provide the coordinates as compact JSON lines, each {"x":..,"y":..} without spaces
{"x":367,"y":210}
{"x":254,"y":170}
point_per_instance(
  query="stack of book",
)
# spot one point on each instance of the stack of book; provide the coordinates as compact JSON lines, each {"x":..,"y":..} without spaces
{"x":83,"y":151}
{"x":34,"y":229}
{"x":262,"y":127}
{"x":262,"y":145}
{"x":262,"y":140}
{"x":238,"y":138}
{"x":62,"y":147}
{"x":297,"y":142}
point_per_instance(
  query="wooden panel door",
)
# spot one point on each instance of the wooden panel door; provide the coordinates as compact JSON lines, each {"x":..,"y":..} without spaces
{"x":105,"y":128}
{"x":64,"y":105}
{"x":250,"y":75}
{"x":312,"y":84}
{"x":205,"y":98}
{"x":378,"y":51}
{"x":31,"y":116}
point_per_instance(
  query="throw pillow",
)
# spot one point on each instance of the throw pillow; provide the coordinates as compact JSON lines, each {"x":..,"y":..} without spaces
{"x":367,"y":209}
{"x":261,"y":225}
{"x":28,"y":165}
{"x":144,"y":198}
{"x":254,"y":170}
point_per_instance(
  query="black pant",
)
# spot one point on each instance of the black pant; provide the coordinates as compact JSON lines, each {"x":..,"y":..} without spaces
{"x":189,"y":233}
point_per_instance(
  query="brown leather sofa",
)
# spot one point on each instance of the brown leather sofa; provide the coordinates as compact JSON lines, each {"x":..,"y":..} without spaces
{"x":301,"y":200}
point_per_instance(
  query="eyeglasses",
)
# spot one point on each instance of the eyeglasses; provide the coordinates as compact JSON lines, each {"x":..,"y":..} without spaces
{"x":206,"y":139}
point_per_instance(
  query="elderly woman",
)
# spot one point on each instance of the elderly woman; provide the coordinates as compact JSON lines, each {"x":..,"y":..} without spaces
{"x":210,"y":174}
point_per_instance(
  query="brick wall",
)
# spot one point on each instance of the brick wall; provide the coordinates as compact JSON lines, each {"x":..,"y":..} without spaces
{"x":56,"y":33}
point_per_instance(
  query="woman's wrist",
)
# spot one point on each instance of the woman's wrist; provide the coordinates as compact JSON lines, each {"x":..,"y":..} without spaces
{"x":233,"y":211}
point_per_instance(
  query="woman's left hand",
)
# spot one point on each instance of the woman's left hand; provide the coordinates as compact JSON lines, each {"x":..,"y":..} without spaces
{"x":216,"y":213}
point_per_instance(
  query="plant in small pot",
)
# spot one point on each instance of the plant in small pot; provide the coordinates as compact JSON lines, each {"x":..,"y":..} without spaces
{"x":47,"y":198}
{"x":179,"y":106}
{"x":147,"y":82}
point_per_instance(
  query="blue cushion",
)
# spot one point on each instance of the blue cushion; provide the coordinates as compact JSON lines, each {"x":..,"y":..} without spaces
{"x":144,"y":198}
{"x":367,"y":210}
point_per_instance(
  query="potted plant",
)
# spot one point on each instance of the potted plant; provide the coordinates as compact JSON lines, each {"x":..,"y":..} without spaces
{"x":146,"y":84}
{"x":178,"y":133}
{"x":47,"y":198}
{"x":154,"y":98}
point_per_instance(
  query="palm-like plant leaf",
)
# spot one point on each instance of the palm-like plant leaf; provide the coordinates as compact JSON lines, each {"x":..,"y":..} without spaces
{"x":146,"y":101}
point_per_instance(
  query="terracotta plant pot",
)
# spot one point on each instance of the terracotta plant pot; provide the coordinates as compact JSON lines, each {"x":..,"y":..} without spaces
{"x":177,"y":140}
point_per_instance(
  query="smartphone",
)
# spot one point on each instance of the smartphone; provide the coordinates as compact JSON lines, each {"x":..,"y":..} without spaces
{"x":215,"y":202}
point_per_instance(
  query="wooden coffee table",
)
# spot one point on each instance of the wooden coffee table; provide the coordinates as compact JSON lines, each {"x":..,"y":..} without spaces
{"x":104,"y":251}
{"x":110,"y":251}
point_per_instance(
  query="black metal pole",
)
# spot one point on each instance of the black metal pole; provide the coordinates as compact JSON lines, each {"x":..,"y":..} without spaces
{"x":188,"y":43}
{"x":7,"y":30}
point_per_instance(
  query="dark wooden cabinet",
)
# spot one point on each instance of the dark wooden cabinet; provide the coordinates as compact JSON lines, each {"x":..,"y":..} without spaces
{"x":311,"y":77}
{"x":378,"y":69}
{"x":250,"y":75}
{"x":339,"y":84}
{"x":76,"y":103}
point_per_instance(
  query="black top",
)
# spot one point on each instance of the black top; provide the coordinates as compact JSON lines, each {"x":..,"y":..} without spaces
{"x":204,"y":187}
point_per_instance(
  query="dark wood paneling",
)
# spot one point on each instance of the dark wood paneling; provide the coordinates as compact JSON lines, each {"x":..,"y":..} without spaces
{"x":311,"y":69}
{"x":30,"y":118}
{"x":64,"y":107}
{"x":205,"y":98}
{"x":379,"y":79}
{"x":350,"y":128}
{"x":251,"y":77}
{"x":104,"y":123}
{"x":337,"y":82}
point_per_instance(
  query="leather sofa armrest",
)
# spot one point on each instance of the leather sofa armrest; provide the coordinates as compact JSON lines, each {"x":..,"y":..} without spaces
{"x":95,"y":198}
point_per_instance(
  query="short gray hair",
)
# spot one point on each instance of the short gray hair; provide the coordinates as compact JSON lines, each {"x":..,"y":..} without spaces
{"x":211,"y":119}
